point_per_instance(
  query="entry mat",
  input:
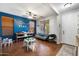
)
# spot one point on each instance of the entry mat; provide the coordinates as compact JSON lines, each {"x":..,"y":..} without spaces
{"x":67,"y":50}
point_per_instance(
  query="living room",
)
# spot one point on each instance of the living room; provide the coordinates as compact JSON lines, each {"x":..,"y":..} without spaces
{"x":39,"y":29}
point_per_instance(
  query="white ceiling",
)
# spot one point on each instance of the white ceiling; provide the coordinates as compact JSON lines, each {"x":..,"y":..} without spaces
{"x":21,"y":8}
{"x":61,"y":8}
{"x":41,"y":9}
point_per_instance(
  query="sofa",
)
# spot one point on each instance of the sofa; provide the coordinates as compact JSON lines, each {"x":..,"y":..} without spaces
{"x":41,"y":36}
{"x":50,"y":37}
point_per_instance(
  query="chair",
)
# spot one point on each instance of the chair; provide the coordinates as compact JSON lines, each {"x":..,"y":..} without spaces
{"x":28,"y":42}
{"x":7,"y":41}
{"x":10,"y":42}
{"x":0,"y":43}
{"x":51,"y":37}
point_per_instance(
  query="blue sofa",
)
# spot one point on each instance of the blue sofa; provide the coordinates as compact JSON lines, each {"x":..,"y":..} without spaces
{"x":50,"y":37}
{"x":41,"y":36}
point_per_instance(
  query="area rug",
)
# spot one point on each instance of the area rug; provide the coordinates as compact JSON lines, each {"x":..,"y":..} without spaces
{"x":67,"y":50}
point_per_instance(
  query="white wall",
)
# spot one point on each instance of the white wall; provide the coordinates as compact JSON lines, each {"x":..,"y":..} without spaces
{"x":59,"y":26}
{"x":52,"y":25}
{"x":69,"y":26}
{"x":53,"y":29}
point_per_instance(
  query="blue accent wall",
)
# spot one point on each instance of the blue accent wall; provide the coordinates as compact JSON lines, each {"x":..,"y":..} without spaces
{"x":0,"y":28}
{"x":8,"y":15}
{"x":20,"y":24}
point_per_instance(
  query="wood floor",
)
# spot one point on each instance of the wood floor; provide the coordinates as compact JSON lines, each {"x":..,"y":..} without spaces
{"x":43,"y":48}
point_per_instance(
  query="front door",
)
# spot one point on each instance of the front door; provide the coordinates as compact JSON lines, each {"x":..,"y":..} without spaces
{"x":69,"y":28}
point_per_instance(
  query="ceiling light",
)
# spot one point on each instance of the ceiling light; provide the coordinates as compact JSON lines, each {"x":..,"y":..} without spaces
{"x":68,"y":5}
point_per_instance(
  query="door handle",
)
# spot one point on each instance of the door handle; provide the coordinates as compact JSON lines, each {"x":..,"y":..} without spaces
{"x":63,"y":32}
